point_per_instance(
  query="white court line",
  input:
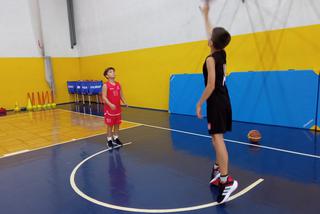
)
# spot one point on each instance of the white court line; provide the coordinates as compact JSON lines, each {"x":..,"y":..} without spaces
{"x":56,"y":144}
{"x":130,"y":209}
{"x":228,"y":140}
{"x":16,"y":153}
{"x":238,"y":142}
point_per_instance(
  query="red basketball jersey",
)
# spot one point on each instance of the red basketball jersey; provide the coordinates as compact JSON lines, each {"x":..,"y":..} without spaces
{"x":113,"y":95}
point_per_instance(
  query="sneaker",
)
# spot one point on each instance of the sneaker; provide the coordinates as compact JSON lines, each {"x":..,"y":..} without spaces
{"x":215,"y":181}
{"x":117,"y":142}
{"x":110,"y":144}
{"x":226,"y":189}
{"x":215,"y":177}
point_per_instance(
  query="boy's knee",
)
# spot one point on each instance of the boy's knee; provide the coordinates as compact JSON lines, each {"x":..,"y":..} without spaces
{"x":217,"y":138}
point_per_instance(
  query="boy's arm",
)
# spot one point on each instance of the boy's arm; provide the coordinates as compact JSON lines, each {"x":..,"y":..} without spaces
{"x":205,"y":12}
{"x":104,"y":96}
{"x":210,"y":84}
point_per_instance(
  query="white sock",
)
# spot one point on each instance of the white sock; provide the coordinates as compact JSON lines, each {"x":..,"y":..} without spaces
{"x":109,"y":138}
{"x":223,"y":178}
{"x":115,"y":137}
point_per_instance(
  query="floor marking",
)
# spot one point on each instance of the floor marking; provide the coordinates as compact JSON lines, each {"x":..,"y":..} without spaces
{"x":228,"y":140}
{"x":239,"y":142}
{"x":16,"y":153}
{"x":57,"y":144}
{"x":130,"y":209}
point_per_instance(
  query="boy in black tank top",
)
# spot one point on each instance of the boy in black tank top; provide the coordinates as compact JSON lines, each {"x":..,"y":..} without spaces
{"x":219,"y":114}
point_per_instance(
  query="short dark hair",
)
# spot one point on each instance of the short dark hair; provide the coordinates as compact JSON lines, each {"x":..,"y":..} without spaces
{"x":220,"y":38}
{"x":107,"y":70}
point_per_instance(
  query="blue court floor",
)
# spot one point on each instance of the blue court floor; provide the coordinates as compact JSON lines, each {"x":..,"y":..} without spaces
{"x":164,"y":167}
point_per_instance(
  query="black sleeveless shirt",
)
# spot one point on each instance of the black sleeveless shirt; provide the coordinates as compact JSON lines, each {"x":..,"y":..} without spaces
{"x":220,"y":90}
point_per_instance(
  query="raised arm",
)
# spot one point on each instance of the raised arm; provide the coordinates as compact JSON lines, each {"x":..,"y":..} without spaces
{"x":205,"y":12}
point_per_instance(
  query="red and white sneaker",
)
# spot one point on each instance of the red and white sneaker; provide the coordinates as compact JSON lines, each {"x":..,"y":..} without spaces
{"x":215,"y":177}
{"x":226,"y":189}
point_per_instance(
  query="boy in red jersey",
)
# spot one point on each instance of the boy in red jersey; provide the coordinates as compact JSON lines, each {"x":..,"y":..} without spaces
{"x":112,"y":96}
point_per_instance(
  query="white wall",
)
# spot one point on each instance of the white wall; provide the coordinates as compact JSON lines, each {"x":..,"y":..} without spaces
{"x":18,"y":33}
{"x":106,"y":26}
{"x":54,"y":14}
{"x":16,"y":36}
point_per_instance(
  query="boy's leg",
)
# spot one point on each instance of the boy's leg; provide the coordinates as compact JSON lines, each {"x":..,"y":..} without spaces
{"x":109,"y":136}
{"x":227,"y":184}
{"x":116,"y":135}
{"x":221,"y":164}
{"x":116,"y":130}
{"x":221,"y":153}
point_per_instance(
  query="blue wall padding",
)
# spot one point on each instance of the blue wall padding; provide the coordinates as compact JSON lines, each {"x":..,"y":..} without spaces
{"x":318,"y":112}
{"x":185,"y":92}
{"x":284,"y":98}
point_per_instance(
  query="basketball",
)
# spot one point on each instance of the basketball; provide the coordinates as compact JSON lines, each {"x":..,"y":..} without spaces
{"x":254,"y":136}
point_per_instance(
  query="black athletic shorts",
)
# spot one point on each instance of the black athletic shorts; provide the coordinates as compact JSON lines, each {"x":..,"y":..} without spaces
{"x":219,"y":115}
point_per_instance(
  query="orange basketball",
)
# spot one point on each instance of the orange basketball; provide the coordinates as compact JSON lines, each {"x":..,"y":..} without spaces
{"x":254,"y":136}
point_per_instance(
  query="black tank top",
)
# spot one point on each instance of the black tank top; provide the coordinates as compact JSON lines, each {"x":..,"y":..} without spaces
{"x":220,"y":64}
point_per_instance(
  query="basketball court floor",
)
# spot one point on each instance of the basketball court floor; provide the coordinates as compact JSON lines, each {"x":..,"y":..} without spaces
{"x":57,"y":161}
